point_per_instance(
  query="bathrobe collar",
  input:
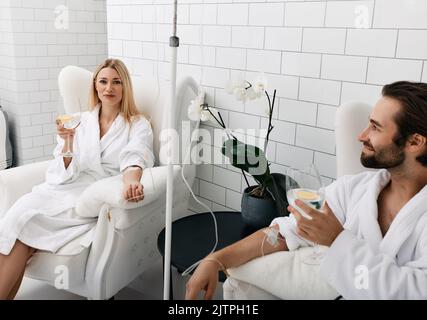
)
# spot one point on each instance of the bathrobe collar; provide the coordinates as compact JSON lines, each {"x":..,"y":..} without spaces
{"x":115,"y":130}
{"x":90,"y":157}
{"x":367,"y":210}
{"x":402,"y":225}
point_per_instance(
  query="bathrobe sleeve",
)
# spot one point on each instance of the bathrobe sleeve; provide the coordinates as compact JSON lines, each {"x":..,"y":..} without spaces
{"x":335,"y":196}
{"x":355,"y":270}
{"x":287,"y":229}
{"x":56,"y":173}
{"x":139,"y":150}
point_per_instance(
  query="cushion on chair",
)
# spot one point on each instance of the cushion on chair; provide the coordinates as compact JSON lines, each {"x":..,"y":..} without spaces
{"x":234,"y":289}
{"x":11,"y":186}
{"x":49,"y":266}
{"x":284,"y":275}
{"x":74,"y":85}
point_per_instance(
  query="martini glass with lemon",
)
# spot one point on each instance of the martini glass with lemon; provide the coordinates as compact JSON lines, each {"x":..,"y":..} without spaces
{"x":69,"y":121}
{"x":306,"y":185}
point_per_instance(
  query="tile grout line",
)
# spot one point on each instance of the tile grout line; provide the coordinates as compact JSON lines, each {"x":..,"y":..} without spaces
{"x":367,"y":70}
{"x":373,"y":14}
{"x":397,"y":44}
{"x":324,"y":17}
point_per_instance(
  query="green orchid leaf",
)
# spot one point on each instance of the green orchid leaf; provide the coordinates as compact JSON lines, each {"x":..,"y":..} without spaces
{"x":249,"y":158}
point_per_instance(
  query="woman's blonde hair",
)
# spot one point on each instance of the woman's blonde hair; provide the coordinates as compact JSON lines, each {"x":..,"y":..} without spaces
{"x":127,"y":107}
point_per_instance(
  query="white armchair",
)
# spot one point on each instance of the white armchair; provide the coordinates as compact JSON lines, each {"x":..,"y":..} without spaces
{"x":280,"y":275}
{"x":350,"y":119}
{"x":125,"y":236}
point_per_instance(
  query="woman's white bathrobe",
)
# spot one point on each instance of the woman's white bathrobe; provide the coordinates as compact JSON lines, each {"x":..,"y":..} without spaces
{"x":396,"y":265}
{"x":45,"y":218}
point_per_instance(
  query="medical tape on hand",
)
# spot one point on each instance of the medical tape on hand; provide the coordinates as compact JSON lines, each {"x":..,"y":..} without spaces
{"x":272,"y":236}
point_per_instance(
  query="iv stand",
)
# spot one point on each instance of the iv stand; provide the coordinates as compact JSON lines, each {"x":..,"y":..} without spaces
{"x":174,"y":44}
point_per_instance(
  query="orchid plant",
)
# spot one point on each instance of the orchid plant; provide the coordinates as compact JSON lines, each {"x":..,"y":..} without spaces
{"x":250,"y":159}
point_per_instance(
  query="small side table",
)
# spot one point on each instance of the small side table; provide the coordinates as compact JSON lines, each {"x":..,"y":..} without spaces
{"x":193,"y":237}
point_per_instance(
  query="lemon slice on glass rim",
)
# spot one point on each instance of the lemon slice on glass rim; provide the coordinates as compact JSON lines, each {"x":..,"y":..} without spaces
{"x":306,"y":195}
{"x":64,"y":118}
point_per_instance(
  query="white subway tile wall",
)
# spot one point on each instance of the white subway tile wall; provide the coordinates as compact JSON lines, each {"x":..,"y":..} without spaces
{"x":37,"y":39}
{"x":412,"y":44}
{"x":385,"y":70}
{"x":317,"y":54}
{"x":301,"y":64}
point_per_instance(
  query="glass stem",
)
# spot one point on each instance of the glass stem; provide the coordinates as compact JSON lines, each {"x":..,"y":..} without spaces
{"x":68,"y":143}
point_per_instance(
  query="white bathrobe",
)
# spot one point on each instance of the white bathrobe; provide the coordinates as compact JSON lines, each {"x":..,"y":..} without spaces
{"x":45,"y":218}
{"x":361,"y":264}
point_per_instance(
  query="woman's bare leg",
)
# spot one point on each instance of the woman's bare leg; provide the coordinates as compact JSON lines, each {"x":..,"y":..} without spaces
{"x":12,"y":268}
{"x":15,"y":289}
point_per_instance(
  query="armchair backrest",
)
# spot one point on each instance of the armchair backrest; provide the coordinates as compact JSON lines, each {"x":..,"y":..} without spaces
{"x":351,"y":118}
{"x":151,"y":96}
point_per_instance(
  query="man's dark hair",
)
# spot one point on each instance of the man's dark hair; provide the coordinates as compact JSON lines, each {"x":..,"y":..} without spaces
{"x":412,"y":117}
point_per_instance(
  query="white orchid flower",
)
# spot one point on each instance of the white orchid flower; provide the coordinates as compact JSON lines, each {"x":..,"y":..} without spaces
{"x":194,"y":113}
{"x":240,"y":94}
{"x":260,"y":84}
{"x":240,"y":82}
{"x":195,"y":109}
{"x":235,"y":83}
{"x":205,"y":116}
{"x":251,"y":94}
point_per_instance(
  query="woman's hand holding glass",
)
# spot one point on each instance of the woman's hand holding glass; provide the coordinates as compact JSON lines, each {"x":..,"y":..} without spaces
{"x":66,"y":125}
{"x":67,"y":135}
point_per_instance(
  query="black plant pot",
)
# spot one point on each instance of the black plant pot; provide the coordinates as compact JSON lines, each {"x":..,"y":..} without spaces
{"x":257,"y":212}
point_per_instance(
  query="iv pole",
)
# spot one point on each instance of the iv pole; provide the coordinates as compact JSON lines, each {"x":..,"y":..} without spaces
{"x":174,"y":44}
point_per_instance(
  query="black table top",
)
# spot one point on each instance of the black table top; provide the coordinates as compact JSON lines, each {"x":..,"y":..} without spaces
{"x":193,"y":237}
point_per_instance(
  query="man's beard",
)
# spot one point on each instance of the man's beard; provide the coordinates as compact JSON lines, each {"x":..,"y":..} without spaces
{"x":390,"y":156}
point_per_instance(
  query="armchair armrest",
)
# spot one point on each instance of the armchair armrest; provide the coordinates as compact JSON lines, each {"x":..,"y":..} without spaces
{"x":109,"y":191}
{"x":16,"y":182}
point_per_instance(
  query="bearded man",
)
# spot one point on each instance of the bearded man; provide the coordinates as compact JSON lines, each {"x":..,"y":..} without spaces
{"x":376,"y":219}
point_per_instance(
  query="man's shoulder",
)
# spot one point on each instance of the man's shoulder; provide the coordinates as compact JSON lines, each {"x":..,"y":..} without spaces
{"x":349,"y":189}
{"x":361,"y":178}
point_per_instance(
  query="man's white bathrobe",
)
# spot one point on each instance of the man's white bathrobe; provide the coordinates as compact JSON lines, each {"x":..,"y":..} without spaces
{"x":396,"y":264}
{"x":45,"y":218}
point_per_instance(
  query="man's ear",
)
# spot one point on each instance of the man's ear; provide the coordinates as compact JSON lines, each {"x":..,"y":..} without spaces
{"x":417,"y":142}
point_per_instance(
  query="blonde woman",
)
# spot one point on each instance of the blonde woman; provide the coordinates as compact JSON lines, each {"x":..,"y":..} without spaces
{"x":112,"y":138}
